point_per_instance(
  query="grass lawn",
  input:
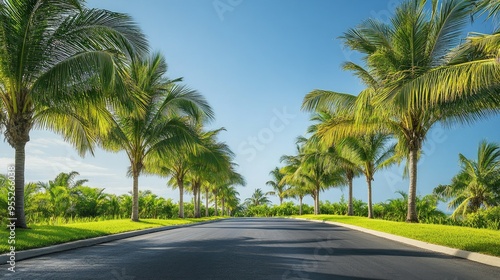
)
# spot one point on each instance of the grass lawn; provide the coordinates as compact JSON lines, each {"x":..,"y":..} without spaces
{"x":484,"y":241}
{"x":45,"y":235}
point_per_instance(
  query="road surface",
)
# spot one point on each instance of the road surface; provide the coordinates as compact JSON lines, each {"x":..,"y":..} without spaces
{"x":251,"y":249}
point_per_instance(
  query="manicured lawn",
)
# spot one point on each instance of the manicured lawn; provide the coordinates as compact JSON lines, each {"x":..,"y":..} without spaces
{"x":475,"y":240}
{"x":45,"y":235}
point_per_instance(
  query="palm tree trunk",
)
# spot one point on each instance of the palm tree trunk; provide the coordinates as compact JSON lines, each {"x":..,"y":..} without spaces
{"x":206,"y":204}
{"x":300,"y":205}
{"x":20,"y":160}
{"x":195,"y":198}
{"x":215,"y":204}
{"x":316,"y":201}
{"x":370,"y":206}
{"x":281,"y":200}
{"x":350,"y":210}
{"x":223,"y":205}
{"x":412,"y":216}
{"x":198,"y":210}
{"x":135,"y":197}
{"x":180,"y":184}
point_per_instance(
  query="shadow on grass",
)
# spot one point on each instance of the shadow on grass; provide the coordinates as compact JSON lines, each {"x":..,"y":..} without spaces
{"x":41,"y":236}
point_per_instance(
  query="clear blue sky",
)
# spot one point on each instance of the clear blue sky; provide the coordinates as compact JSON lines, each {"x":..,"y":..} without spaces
{"x":254,"y":60}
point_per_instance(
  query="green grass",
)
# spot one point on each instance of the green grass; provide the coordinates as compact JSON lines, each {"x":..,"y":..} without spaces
{"x":45,"y":235}
{"x":484,"y":241}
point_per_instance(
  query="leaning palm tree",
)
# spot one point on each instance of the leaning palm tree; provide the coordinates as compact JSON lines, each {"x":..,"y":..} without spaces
{"x":278,"y":185}
{"x":163,"y":123}
{"x":56,"y":58}
{"x":476,"y":184}
{"x":399,"y":58}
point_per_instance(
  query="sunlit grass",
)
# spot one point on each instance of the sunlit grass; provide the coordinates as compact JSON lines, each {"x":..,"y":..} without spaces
{"x":484,"y":241}
{"x":44,"y":235}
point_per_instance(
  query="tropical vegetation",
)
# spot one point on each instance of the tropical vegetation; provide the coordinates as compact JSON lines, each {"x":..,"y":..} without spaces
{"x":57,"y":58}
{"x":417,"y":74}
{"x":89,"y":75}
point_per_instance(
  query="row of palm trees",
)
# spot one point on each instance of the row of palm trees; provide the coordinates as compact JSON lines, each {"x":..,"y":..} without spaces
{"x":65,"y":197}
{"x":88,"y":75}
{"x":418,"y":72}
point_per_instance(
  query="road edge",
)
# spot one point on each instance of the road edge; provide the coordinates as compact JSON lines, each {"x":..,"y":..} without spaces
{"x":32,"y":253}
{"x":472,"y":256}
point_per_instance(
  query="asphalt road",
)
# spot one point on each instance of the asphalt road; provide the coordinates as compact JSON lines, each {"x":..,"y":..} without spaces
{"x":251,"y":249}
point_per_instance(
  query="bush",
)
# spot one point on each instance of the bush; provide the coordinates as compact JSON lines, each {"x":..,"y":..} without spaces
{"x":484,"y":218}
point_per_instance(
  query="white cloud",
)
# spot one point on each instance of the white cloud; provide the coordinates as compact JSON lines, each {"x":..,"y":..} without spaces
{"x":55,"y":165}
{"x":47,"y":142}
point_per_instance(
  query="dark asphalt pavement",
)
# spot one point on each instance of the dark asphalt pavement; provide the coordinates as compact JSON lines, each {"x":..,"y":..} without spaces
{"x":251,"y":249}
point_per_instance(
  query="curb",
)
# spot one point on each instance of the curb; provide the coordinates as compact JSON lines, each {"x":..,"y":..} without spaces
{"x":32,"y":253}
{"x":472,"y":256}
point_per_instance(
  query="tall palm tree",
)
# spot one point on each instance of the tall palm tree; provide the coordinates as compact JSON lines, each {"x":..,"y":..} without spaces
{"x":400,"y":56}
{"x":371,"y":153}
{"x":278,"y":185}
{"x":476,"y":185}
{"x":162,"y":126}
{"x":56,"y":58}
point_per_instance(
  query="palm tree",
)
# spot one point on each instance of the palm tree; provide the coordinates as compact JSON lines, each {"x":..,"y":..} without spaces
{"x":298,"y":190}
{"x":56,"y":58}
{"x":258,"y":198}
{"x":59,"y":192}
{"x":344,"y":158}
{"x":210,"y":163}
{"x":68,"y":180}
{"x":399,"y":57}
{"x":176,"y":167}
{"x":163,"y":124}
{"x":229,"y":198}
{"x":476,"y":185}
{"x":468,"y":75}
{"x":492,"y":7}
{"x":371,"y":153}
{"x":277,"y":184}
{"x":316,"y":167}
{"x":89,"y":202}
{"x":59,"y":199}
{"x":223,"y":185}
{"x":298,"y":186}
